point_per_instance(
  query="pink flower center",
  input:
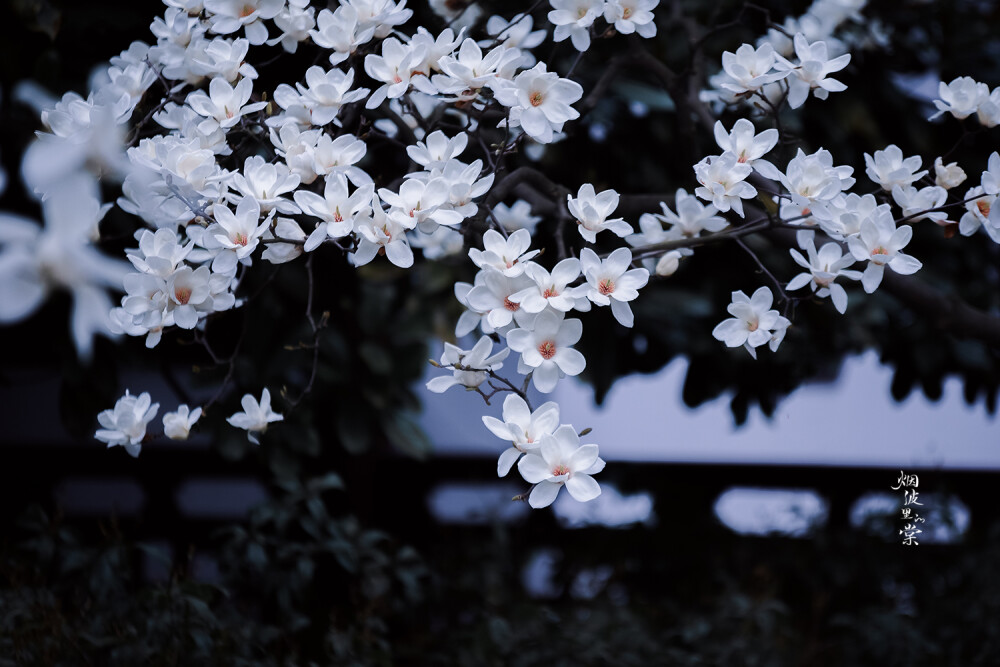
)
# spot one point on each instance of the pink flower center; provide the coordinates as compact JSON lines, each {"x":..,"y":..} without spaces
{"x":627,"y":13}
{"x":880,"y":251}
{"x":550,"y":292}
{"x":984,"y":207}
{"x":547,"y":349}
{"x":606,"y":287}
{"x":336,"y":215}
{"x":510,"y":305}
{"x":241,"y":239}
{"x":397,"y":79}
{"x":752,"y":325}
{"x":182,"y":294}
{"x":247,"y":11}
{"x":535,"y":99}
{"x":560,"y":470}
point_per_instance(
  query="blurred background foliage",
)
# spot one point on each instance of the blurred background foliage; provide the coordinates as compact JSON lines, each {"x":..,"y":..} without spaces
{"x":310,"y":577}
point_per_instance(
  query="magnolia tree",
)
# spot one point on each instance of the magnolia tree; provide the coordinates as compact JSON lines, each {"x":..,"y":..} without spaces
{"x":246,"y":134}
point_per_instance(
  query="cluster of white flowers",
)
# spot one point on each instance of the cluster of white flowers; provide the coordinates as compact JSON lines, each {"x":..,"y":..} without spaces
{"x":766,"y":70}
{"x":224,"y":173}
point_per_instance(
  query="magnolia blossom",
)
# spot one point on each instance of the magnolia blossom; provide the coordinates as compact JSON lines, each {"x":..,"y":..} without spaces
{"x":396,"y":69}
{"x":539,"y":101}
{"x":690,"y":220}
{"x":125,"y":425}
{"x":810,"y":179}
{"x":255,"y":416}
{"x":338,"y":212}
{"x":549,"y":289}
{"x":522,"y":428}
{"x":628,"y":16}
{"x":228,"y":16}
{"x":811,"y":72}
{"x":177,"y":425}
{"x":224,"y":105}
{"x":546,"y":349}
{"x":948,"y":175}
{"x":493,"y":298}
{"x":822,"y":269}
{"x":573,"y":18}
{"x":508,"y":256}
{"x":241,"y":231}
{"x":517,"y":216}
{"x":749,"y":69}
{"x":888,"y":168}
{"x":961,"y":98}
{"x":915,"y":202}
{"x":612,"y":283}
{"x":591,"y":211}
{"x":265,"y":182}
{"x":437,"y":149}
{"x":880,"y":243}
{"x":383,"y":235}
{"x":561,"y":460}
{"x":753,"y":323}
{"x":470,"y":368}
{"x":744,"y":142}
{"x":723,"y":183}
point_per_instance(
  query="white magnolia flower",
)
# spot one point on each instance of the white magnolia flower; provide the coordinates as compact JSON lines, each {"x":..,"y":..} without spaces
{"x":421,"y":203}
{"x":546,"y":349}
{"x":492,"y":296}
{"x":749,"y":69}
{"x":522,"y":428}
{"x":561,"y":460}
{"x":723,"y":182}
{"x":36,"y":260}
{"x":573,"y":18}
{"x":810,"y":179}
{"x":228,"y":16}
{"x":550,"y":289}
{"x":961,"y":98}
{"x":691,"y":219}
{"x":240,"y":231}
{"x":255,"y":416}
{"x":468,"y":71}
{"x":880,"y":243}
{"x":383,"y":235}
{"x":539,"y":101}
{"x":508,"y":256}
{"x":437,"y":149}
{"x":612,"y":283}
{"x":948,"y":175}
{"x":517,"y":216}
{"x":177,"y":425}
{"x":822,"y":269}
{"x":125,"y":425}
{"x":978,"y":207}
{"x":753,"y":322}
{"x":889,"y":168}
{"x":470,"y":368}
{"x":812,"y":71}
{"x":591,"y":211}
{"x":224,"y":105}
{"x":914,"y":202}
{"x":744,"y":142}
{"x":265,"y":182}
{"x":341,"y":32}
{"x":295,"y":21}
{"x":223,"y":58}
{"x":396,"y":68}
{"x":323,"y":95}
{"x":630,"y":16}
{"x":338,"y":156}
{"x":338,"y":212}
